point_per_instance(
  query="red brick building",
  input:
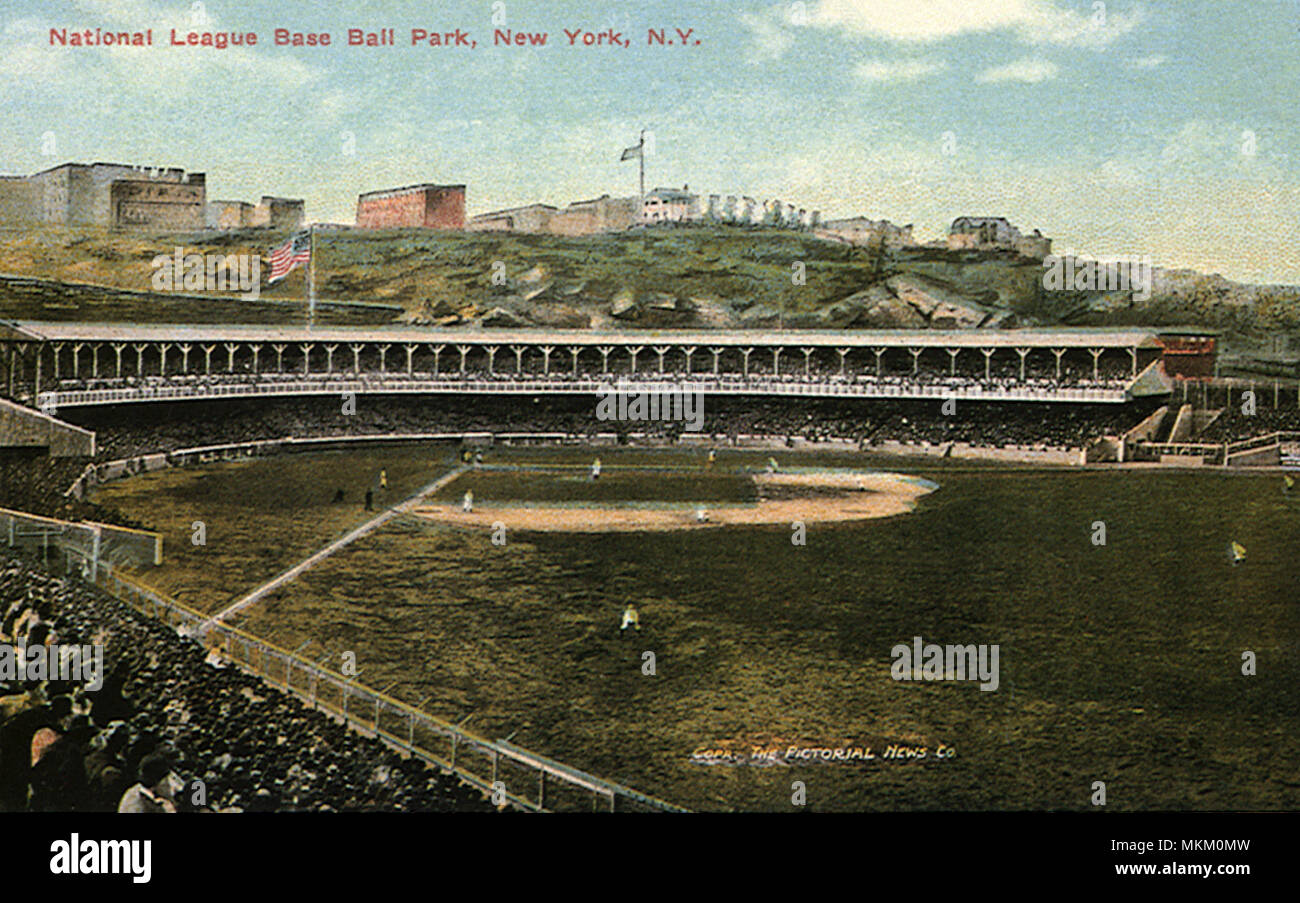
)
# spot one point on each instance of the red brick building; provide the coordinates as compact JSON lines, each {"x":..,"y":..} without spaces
{"x":1189,"y":354}
{"x":419,"y":206}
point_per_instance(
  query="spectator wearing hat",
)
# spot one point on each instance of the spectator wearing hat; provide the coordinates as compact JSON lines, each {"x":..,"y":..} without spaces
{"x":154,"y":791}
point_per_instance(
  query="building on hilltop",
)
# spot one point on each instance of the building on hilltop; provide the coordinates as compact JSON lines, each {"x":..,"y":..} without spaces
{"x":269,"y":213}
{"x":278,"y":213}
{"x":228,"y":215}
{"x":661,"y":206}
{"x":602,"y":214}
{"x":528,"y":218}
{"x":995,"y":233}
{"x":426,"y":206}
{"x":105,"y":194}
{"x":670,"y":205}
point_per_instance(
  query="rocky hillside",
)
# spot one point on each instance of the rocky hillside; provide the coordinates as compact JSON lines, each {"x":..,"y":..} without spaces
{"x":697,"y":277}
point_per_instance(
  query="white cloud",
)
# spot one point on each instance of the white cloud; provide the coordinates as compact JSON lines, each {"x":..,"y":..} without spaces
{"x":1148,"y":62}
{"x":770,"y":38}
{"x":1028,"y":71}
{"x":921,"y":21}
{"x":1219,"y":145}
{"x":1045,"y":23}
{"x":918,"y":20}
{"x":897,"y":70}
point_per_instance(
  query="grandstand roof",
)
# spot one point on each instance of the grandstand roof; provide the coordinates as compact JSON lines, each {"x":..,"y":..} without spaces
{"x":894,"y":338}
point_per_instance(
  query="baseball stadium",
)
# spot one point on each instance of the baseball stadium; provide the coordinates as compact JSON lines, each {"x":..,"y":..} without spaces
{"x":339,"y":565}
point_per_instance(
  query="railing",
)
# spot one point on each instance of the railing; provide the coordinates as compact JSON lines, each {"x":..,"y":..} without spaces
{"x":51,"y":401}
{"x":495,"y":767}
{"x":1255,"y":442}
{"x":1209,"y":452}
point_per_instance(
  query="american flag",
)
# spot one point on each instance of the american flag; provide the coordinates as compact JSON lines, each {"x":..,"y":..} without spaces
{"x":288,"y":255}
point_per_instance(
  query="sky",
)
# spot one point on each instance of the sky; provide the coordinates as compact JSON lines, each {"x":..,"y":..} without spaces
{"x":1165,"y":129}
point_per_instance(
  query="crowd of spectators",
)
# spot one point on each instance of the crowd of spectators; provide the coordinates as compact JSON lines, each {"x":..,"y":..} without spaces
{"x":1234,"y":424}
{"x":166,"y":716}
{"x":37,"y":484}
{"x":128,"y":431}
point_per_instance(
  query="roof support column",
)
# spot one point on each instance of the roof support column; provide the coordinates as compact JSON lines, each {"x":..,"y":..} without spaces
{"x":76,"y":360}
{"x":437,"y":353}
{"x":519,"y":358}
{"x":916,"y":359}
{"x":410,"y":358}
{"x":279,"y":358}
{"x":58,"y":347}
{"x":604,"y":357}
{"x":230,"y":356}
{"x":688,"y":350}
{"x":1096,"y":356}
{"x":383,"y":358}
{"x":546,"y":358}
{"x":634,"y":352}
{"x":952,"y":361}
{"x":807,"y":362}
{"x":988,"y":357}
{"x":139,"y":357}
{"x":574,"y":351}
{"x":1133,"y":355}
{"x":464,"y":350}
{"x":329,"y":357}
{"x":185,"y":357}
{"x":306,"y":356}
{"x":94,"y":361}
{"x":880,"y":353}
{"x":746,"y":352}
{"x":162,"y":357}
{"x":660,"y":351}
{"x":1022,"y":352}
{"x":1057,"y":352}
{"x":356,"y":356}
{"x":776,"y":360}
{"x":716,"y":352}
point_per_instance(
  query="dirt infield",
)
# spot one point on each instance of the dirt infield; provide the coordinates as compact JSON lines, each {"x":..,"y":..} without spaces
{"x":862,"y":496}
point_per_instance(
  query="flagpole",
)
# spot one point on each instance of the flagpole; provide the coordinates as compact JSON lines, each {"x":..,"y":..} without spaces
{"x":311,"y":273}
{"x":641,"y":162}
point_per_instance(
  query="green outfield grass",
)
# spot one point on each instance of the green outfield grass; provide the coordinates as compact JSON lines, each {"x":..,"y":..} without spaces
{"x":1119,"y":663}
